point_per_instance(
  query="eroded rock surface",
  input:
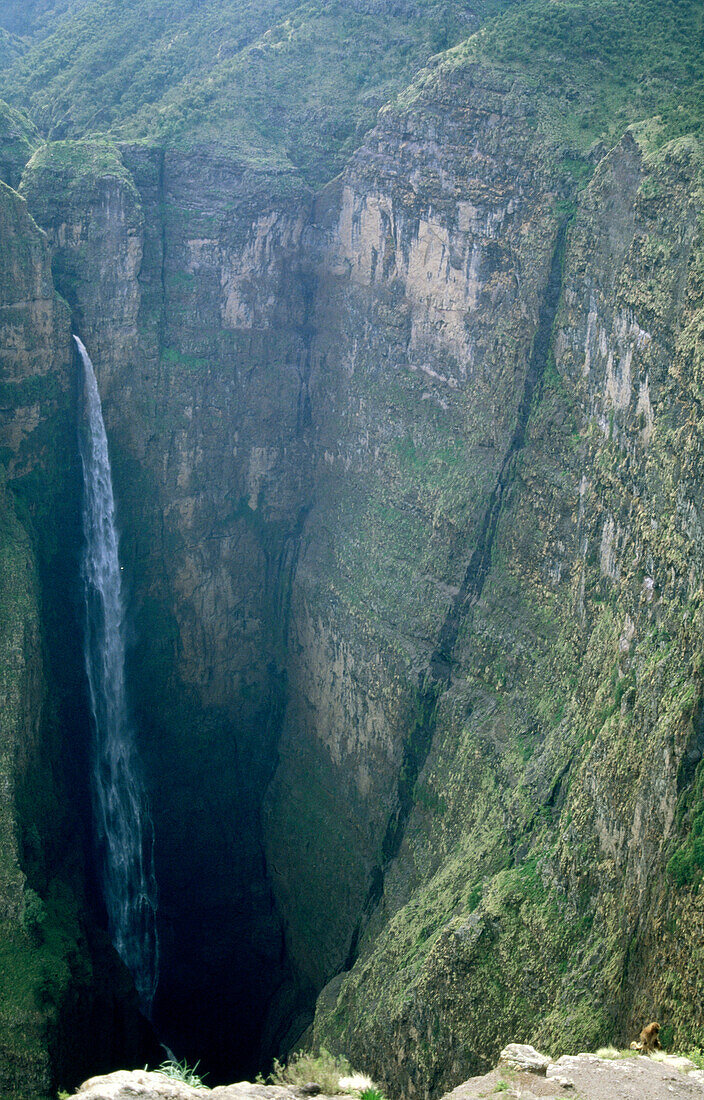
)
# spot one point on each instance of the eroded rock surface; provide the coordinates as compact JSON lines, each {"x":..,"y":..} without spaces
{"x":58,"y":973}
{"x":588,"y":1077}
{"x":142,"y":1085}
{"x":523,"y":1057}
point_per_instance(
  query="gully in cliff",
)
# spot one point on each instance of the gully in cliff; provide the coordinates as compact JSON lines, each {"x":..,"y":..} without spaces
{"x":123,"y":827}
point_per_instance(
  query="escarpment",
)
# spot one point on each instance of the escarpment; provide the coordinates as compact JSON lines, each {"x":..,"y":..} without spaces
{"x":407,"y":467}
{"x":534,"y":868}
{"x":427,"y":396}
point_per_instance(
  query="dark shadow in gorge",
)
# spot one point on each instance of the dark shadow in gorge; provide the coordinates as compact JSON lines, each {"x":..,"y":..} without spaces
{"x":221,"y":940}
{"x":223,"y":956}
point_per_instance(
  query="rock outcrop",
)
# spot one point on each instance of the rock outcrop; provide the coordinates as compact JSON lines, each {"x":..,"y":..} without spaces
{"x":522,"y":1072}
{"x":588,"y":1076}
{"x":142,"y":1085}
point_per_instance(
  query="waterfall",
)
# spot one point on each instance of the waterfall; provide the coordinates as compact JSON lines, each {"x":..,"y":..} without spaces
{"x":123,"y":826}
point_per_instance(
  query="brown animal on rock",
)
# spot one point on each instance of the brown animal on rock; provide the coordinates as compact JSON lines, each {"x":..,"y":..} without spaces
{"x":649,"y":1038}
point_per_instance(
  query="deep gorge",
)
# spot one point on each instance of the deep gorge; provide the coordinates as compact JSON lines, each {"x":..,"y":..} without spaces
{"x":407,"y":465}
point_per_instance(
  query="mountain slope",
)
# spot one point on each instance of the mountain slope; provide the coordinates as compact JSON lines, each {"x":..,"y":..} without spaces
{"x":278,"y":79}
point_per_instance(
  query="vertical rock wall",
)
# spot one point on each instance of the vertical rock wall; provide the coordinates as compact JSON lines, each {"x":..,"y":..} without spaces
{"x":58,"y":975}
{"x":181,"y":275}
{"x":431,"y":259}
{"x":546,"y":882}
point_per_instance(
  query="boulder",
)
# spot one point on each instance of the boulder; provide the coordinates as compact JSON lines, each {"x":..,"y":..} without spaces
{"x":524,"y":1057}
{"x":133,"y":1084}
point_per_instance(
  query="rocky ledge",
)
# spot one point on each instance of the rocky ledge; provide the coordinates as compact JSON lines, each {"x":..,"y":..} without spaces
{"x":145,"y":1085}
{"x":524,"y":1072}
{"x":521,"y":1073}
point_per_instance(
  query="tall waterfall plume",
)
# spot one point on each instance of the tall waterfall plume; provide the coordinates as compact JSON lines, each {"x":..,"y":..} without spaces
{"x":123,"y":826}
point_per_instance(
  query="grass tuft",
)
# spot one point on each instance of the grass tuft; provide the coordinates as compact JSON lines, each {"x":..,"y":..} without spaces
{"x":181,"y":1071}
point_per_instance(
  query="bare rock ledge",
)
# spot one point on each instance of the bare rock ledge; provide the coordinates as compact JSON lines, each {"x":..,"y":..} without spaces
{"x":524,"y":1072}
{"x":144,"y":1085}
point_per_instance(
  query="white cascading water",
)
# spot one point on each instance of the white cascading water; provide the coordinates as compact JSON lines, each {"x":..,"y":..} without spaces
{"x":123,"y":825}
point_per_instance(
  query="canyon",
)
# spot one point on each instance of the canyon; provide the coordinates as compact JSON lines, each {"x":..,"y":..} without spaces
{"x":406,"y":445}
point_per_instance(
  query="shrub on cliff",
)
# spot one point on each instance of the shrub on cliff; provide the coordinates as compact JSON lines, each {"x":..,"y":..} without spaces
{"x":330,"y":1072}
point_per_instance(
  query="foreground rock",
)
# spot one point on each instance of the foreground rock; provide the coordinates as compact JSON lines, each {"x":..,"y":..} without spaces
{"x":522,"y":1057}
{"x":525,"y":1073}
{"x":143,"y":1085}
{"x":522,"y":1072}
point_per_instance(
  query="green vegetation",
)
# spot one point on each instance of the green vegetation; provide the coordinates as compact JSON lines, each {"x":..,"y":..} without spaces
{"x":32,"y":17}
{"x":686,"y":865}
{"x":323,"y":1068}
{"x":278,"y":83}
{"x":18,"y":140}
{"x":10,"y":48}
{"x":77,"y":161}
{"x":181,"y":1071}
{"x":33,"y":916}
{"x":293,"y":87}
{"x":593,"y":67}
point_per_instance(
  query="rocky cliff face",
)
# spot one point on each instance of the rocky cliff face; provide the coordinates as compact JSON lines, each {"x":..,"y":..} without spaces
{"x":530,"y":889}
{"x":408,"y":481}
{"x":22,"y":676}
{"x":180,"y":280}
{"x":58,"y":975}
{"x":417,"y":399}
